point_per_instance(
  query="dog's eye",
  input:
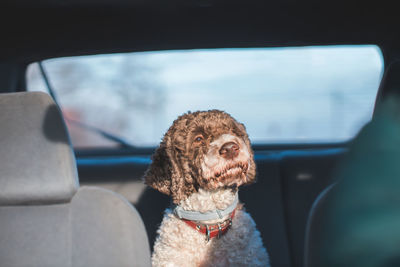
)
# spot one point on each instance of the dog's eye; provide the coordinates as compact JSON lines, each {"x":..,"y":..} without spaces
{"x":198,"y":138}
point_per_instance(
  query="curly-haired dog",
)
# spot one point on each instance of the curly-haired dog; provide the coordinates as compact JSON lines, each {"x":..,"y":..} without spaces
{"x":202,"y":160}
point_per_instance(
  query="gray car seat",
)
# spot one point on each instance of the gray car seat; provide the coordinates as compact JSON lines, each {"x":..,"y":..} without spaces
{"x":46,"y":219}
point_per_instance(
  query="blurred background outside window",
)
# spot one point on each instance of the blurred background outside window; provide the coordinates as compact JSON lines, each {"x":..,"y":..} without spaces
{"x":282,"y":95}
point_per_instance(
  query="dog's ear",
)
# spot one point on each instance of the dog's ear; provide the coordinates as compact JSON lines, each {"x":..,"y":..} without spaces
{"x":166,"y":173}
{"x":158,"y":175}
{"x":251,"y":172}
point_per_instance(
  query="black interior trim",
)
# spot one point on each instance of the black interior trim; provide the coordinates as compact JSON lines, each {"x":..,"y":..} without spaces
{"x":70,"y":28}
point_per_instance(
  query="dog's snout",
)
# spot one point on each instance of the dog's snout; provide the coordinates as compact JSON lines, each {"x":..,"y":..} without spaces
{"x":229,"y":150}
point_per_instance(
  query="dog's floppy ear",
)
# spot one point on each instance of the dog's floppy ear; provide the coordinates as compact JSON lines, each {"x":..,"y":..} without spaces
{"x":158,"y":175}
{"x":166,"y":173}
{"x":251,"y":172}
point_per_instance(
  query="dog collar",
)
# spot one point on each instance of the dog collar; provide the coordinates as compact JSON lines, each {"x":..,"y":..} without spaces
{"x":212,"y":230}
{"x":206,"y":216}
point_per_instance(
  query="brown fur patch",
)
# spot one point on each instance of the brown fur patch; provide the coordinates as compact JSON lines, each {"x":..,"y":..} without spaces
{"x":176,"y":167}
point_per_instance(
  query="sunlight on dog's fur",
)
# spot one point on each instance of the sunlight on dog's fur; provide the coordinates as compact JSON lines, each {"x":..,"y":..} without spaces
{"x":202,"y":160}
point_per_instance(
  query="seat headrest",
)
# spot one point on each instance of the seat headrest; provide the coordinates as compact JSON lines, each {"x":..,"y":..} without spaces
{"x":37,"y":164}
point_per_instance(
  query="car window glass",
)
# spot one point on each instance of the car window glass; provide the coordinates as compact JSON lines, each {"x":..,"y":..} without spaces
{"x":282,"y":95}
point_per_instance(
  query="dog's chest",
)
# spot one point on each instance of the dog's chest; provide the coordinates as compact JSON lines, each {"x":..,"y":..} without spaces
{"x":179,"y":244}
{"x":189,"y":247}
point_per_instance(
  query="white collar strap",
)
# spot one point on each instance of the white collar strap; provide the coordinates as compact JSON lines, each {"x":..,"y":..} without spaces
{"x":206,"y":216}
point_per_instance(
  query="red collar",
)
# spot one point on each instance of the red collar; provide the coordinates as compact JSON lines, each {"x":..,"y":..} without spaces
{"x":212,"y":230}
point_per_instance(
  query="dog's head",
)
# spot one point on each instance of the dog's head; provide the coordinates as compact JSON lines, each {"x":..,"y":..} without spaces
{"x":204,"y":149}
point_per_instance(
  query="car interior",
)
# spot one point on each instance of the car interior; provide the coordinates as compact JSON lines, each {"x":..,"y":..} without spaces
{"x":62,"y":205}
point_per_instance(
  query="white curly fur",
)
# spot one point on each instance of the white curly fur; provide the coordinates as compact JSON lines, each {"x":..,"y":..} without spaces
{"x":180,"y":245}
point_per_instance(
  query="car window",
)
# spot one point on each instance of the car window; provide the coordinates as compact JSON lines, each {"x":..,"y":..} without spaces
{"x":282,"y":95}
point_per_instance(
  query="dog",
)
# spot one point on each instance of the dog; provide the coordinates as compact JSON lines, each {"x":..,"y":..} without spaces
{"x":202,"y":160}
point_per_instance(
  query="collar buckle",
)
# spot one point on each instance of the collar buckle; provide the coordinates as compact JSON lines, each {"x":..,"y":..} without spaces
{"x":207,"y":233}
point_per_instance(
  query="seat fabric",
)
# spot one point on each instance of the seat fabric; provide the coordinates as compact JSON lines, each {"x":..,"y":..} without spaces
{"x":46,"y":219}
{"x":360,"y":226}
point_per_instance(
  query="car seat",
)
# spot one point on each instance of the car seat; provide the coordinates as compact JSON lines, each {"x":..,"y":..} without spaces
{"x":355,"y":222}
{"x":46,"y":219}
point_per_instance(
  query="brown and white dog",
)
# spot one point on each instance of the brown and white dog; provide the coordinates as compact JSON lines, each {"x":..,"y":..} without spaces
{"x":202,"y":160}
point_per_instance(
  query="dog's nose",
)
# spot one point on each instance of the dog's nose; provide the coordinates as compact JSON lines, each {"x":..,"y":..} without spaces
{"x":229,"y":150}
